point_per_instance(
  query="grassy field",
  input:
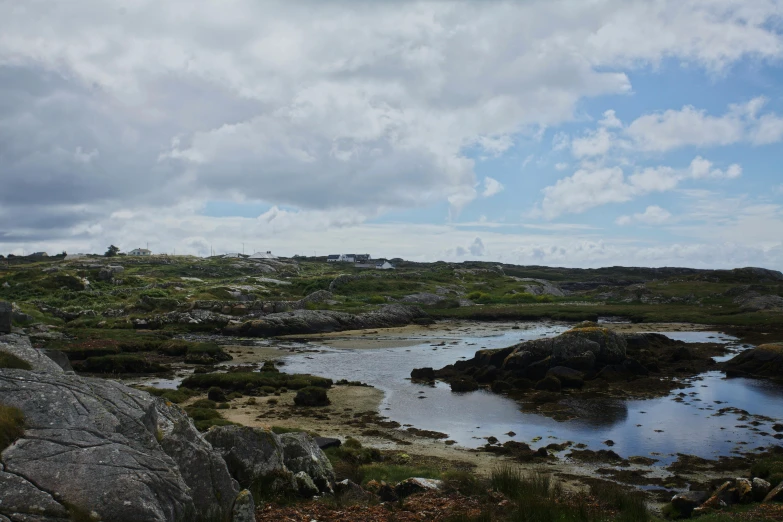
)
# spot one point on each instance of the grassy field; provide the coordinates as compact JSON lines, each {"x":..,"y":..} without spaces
{"x":89,"y":306}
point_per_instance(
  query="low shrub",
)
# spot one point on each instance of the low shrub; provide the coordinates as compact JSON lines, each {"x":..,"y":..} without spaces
{"x":216,"y":394}
{"x":241,"y":381}
{"x":120,"y":363}
{"x":312,"y":396}
{"x":175,"y":396}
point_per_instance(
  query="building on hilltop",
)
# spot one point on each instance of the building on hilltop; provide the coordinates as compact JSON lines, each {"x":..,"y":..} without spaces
{"x":382,"y":264}
{"x":140,"y":252}
{"x":362,"y":258}
{"x":334,"y":258}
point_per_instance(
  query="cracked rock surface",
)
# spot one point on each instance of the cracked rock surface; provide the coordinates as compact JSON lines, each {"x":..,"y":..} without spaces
{"x":97,"y":446}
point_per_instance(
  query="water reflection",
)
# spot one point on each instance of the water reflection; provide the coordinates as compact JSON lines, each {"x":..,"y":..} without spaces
{"x":668,"y":425}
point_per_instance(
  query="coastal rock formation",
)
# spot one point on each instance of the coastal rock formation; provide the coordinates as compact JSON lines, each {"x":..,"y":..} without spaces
{"x":763,"y":361}
{"x":97,"y":446}
{"x":585,"y":354}
{"x":321,"y":321}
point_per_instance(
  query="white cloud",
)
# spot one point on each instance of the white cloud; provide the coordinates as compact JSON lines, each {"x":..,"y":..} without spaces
{"x":344,"y":108}
{"x":561,"y":166}
{"x":701,"y":168}
{"x":491,"y":187}
{"x":593,"y":143}
{"x":610,"y":120}
{"x":653,"y":215}
{"x":594,"y":186}
{"x":689,"y":126}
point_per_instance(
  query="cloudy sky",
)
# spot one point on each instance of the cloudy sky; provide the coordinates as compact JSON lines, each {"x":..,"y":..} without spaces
{"x":577,"y":133}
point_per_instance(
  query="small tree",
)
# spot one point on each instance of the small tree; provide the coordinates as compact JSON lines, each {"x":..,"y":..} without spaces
{"x":112,"y":251}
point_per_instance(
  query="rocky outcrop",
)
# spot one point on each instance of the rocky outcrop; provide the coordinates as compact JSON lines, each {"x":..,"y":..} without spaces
{"x":254,"y":457}
{"x":321,"y":321}
{"x":763,"y":361}
{"x":259,"y":458}
{"x":20,"y":346}
{"x":302,"y":454}
{"x":754,"y":302}
{"x":93,"y":445}
{"x":731,"y":492}
{"x":424,"y":298}
{"x":585,"y":353}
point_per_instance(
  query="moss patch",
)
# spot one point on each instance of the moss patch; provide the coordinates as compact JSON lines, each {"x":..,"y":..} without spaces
{"x":11,"y":361}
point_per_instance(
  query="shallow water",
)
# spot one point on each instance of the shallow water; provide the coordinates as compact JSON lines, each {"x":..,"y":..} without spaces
{"x":659,"y":427}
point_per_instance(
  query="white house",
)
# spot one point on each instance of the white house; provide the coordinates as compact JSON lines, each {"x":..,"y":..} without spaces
{"x":384,"y":265}
{"x":334,"y":258}
{"x":349,"y":258}
{"x":140,"y":252}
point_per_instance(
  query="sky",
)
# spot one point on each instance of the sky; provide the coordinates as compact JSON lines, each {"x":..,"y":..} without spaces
{"x":579,"y":133}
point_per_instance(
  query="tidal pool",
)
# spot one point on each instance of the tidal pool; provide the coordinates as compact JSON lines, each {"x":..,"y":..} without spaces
{"x":689,"y":423}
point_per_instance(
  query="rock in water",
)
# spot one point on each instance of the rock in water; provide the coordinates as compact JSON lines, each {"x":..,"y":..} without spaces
{"x":763,"y":361}
{"x":5,"y":317}
{"x":98,"y":446}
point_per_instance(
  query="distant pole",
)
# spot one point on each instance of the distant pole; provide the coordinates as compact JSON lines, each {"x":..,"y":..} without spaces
{"x":243,"y":249}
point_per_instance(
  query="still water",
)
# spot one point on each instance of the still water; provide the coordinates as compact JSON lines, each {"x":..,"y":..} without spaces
{"x":661,"y":427}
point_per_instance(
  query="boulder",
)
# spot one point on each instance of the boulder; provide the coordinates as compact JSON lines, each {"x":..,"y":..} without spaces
{"x":305,"y":485}
{"x":244,"y":509}
{"x":583,"y":362}
{"x":108,"y":273}
{"x":549,"y":383}
{"x":569,"y":378}
{"x":412,"y":486}
{"x":301,"y":453}
{"x":775,"y":495}
{"x":423,"y":374}
{"x":5,"y":317}
{"x":327,"y":442}
{"x":686,"y":502}
{"x":127,"y":456}
{"x":763,"y":361}
{"x":464,"y":384}
{"x":348,"y":491}
{"x":254,"y":457}
{"x":611,"y":347}
{"x":760,"y":489}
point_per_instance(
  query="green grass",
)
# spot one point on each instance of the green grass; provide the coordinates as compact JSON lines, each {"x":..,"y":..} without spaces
{"x":770,"y":468}
{"x":175,"y":396}
{"x":11,"y":425}
{"x":205,"y":418}
{"x":11,"y":361}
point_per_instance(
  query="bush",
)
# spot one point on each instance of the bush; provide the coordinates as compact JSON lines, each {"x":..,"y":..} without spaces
{"x":11,"y":425}
{"x":216,"y":394}
{"x":175,"y":396}
{"x":11,"y":361}
{"x":376,"y":299}
{"x":241,"y":381}
{"x":204,"y":403}
{"x":205,"y":418}
{"x":312,"y":396}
